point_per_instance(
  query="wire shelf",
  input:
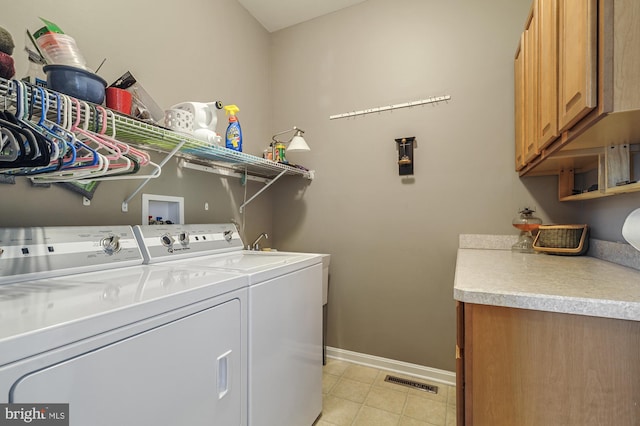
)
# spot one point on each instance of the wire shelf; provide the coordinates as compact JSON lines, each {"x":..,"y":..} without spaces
{"x":158,"y":138}
{"x":150,"y":136}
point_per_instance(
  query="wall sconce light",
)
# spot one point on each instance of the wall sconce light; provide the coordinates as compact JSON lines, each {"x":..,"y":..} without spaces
{"x":405,"y":155}
{"x":296,"y":144}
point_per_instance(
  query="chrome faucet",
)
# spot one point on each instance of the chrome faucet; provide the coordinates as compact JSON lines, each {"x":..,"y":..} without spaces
{"x":256,"y":245}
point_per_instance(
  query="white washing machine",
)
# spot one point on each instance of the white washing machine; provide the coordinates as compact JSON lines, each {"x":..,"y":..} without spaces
{"x":124,"y":344}
{"x":284,"y":321}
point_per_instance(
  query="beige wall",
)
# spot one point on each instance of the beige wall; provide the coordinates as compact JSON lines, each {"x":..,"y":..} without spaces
{"x":190,"y":50}
{"x":393,"y":242}
{"x":606,"y":216}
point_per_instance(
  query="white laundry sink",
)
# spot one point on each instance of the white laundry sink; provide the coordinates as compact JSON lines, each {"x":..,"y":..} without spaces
{"x":248,"y":261}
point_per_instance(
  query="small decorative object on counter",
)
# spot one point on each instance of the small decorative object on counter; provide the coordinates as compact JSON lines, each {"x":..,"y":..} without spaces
{"x":527,"y":223}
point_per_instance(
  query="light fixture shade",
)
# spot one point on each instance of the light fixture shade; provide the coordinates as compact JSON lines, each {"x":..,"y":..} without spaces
{"x":298,"y":144}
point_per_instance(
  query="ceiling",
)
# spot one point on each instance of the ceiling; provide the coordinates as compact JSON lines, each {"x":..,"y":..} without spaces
{"x":275,"y":15}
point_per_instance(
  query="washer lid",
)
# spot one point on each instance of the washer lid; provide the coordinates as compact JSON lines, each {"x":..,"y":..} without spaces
{"x":252,"y":261}
{"x":258,"y":265}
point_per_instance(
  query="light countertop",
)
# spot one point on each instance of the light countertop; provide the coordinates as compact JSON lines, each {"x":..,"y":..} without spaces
{"x":580,"y":285}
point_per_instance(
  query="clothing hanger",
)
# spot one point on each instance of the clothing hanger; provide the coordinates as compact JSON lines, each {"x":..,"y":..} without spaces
{"x":87,"y":116}
{"x":79,"y":159}
{"x":47,"y":147}
{"x":46,"y":141}
{"x":142,"y":157}
{"x":139,"y":158}
{"x":26,"y":140}
{"x":9,"y":147}
{"x":114,"y":152}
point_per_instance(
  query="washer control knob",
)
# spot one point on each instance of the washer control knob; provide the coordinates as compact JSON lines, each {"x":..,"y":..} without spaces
{"x":228,"y":235}
{"x":167,"y":240}
{"x":111,"y":244}
{"x":183,"y":237}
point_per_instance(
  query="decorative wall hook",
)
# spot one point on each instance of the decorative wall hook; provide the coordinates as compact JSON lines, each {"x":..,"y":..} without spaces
{"x":405,"y":155}
{"x":432,"y":100}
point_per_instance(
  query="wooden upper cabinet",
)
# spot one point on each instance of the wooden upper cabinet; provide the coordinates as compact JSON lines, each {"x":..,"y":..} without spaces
{"x":577,"y":57}
{"x":579,"y":65}
{"x":531,"y":85}
{"x":519,"y":104}
{"x":547,"y":15}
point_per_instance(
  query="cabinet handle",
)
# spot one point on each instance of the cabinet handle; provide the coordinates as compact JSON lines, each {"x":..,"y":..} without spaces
{"x":458,"y":352}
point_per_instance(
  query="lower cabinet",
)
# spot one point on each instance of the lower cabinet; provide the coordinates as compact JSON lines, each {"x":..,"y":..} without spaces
{"x":525,"y":367}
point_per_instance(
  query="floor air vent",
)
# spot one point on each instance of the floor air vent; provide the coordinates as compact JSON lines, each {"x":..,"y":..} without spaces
{"x":412,"y":384}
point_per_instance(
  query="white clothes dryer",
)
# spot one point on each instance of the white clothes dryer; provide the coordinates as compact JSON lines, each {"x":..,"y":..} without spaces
{"x":122,"y":345}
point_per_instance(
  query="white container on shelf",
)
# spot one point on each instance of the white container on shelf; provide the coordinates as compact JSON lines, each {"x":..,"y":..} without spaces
{"x":179,"y":120}
{"x":205,"y":115}
{"x":61,"y":49}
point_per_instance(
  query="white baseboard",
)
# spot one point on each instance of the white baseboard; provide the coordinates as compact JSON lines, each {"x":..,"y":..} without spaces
{"x":420,"y":371}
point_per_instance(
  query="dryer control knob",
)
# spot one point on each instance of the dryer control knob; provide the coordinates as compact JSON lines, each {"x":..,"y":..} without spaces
{"x":228,"y":235}
{"x":166,"y":240}
{"x":183,"y":237}
{"x":111,"y":244}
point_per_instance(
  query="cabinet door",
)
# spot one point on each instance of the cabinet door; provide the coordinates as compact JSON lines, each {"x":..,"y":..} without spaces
{"x":460,"y":420}
{"x":547,"y":15}
{"x":519,"y":104}
{"x":577,"y":60}
{"x":531,"y":86}
{"x":532,"y":368}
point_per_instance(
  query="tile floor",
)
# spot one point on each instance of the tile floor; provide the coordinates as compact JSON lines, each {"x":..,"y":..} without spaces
{"x":355,"y":395}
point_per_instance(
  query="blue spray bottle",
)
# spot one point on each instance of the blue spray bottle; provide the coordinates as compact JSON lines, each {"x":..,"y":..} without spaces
{"x":233,"y":139}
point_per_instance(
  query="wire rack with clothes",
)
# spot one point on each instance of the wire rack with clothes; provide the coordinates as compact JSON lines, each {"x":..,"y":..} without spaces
{"x":51,"y":137}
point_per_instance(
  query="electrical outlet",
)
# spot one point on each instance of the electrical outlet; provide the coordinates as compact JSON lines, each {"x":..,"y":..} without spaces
{"x":206,"y":206}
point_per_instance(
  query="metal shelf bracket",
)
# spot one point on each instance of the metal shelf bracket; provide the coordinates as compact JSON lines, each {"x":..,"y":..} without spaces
{"x":125,"y":203}
{"x":222,"y":171}
{"x":262,"y":189}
